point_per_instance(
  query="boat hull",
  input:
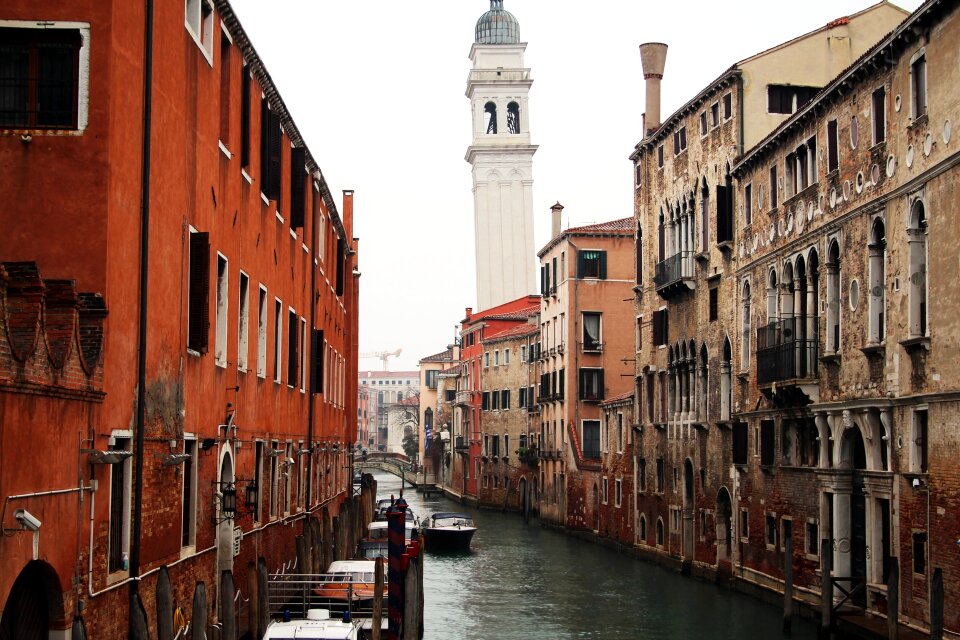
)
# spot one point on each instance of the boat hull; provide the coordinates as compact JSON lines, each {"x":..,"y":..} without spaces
{"x":448,"y":539}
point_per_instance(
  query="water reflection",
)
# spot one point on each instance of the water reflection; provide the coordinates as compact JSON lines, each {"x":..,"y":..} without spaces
{"x":524,"y":582}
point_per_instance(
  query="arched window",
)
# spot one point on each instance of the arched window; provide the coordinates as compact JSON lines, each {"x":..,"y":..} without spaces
{"x":513,"y":118}
{"x":662,"y":237}
{"x":726,"y":382}
{"x":639,"y":256}
{"x":833,"y":298}
{"x":704,"y":217}
{"x":428,"y":419}
{"x":917,"y":239}
{"x":878,"y":296}
{"x":813,"y":309}
{"x":642,"y":528}
{"x":490,"y":117}
{"x":702,"y":380}
{"x":659,"y":532}
{"x":772,"y":296}
{"x":745,"y":321}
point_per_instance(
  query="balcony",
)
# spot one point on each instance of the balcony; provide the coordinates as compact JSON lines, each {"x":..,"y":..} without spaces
{"x":460,"y":444}
{"x":675,"y":274}
{"x":787,"y":361}
{"x":463,"y":398}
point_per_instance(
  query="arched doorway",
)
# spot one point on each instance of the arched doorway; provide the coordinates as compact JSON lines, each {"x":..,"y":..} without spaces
{"x":224,"y":525}
{"x":35,"y":604}
{"x":724,"y":521}
{"x":852,"y":520}
{"x":688,"y":509}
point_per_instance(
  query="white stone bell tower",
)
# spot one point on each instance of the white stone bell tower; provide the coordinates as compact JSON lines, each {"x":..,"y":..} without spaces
{"x":502,"y":159}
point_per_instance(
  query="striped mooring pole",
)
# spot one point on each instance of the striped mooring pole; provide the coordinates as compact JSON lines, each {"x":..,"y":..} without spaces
{"x":396,"y":521}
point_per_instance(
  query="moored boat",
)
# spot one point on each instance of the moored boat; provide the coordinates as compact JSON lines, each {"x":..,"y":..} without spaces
{"x":318,"y":625}
{"x":449,"y":532}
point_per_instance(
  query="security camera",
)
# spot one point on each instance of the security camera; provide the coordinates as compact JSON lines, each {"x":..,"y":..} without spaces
{"x":27,"y":520}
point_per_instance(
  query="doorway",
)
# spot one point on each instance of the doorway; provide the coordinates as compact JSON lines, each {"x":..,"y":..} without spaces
{"x":688,"y":509}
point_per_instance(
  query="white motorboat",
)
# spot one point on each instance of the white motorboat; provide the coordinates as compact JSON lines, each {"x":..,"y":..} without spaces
{"x":318,"y":625}
{"x":449,"y":532}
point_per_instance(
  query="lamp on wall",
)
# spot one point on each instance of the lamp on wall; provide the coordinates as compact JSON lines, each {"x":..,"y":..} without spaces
{"x":252,"y":491}
{"x":227,"y":499}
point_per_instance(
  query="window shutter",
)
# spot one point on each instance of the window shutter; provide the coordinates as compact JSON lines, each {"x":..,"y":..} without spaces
{"x":657,"y":329}
{"x":560,"y":388}
{"x":579,"y":264}
{"x":298,"y":159}
{"x":341,"y":265}
{"x":276,"y":137}
{"x":603,"y":265}
{"x":293,"y":351}
{"x":543,"y":289}
{"x":245,"y":117}
{"x":722,"y":201}
{"x":600,"y":394}
{"x":265,"y":147}
{"x":316,"y":362}
{"x":198,"y":331}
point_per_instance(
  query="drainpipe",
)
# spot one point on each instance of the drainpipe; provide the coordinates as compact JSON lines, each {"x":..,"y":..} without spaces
{"x":310,"y":398}
{"x":142,"y":328}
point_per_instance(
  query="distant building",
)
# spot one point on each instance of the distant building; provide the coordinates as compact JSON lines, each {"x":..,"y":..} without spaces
{"x":430,"y":422}
{"x":385,"y":388}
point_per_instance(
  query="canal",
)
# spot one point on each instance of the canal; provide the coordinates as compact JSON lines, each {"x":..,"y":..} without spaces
{"x":524,"y":582}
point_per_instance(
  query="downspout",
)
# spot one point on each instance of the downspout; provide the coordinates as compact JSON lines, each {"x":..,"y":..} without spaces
{"x":142,"y":328}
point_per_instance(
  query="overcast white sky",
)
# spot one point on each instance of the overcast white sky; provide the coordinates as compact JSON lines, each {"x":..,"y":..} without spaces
{"x":377,"y":89}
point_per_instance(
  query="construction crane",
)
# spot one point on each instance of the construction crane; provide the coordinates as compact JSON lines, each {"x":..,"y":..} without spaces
{"x":383,"y":355}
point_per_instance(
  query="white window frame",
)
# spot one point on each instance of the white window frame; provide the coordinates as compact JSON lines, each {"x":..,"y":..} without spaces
{"x":194,"y":458}
{"x":263,"y":303}
{"x":278,"y":340}
{"x":618,"y":493}
{"x":303,"y":354}
{"x":128,"y":476}
{"x":200,"y":27}
{"x":922,"y":53}
{"x":222,"y":311}
{"x":243,"y":323}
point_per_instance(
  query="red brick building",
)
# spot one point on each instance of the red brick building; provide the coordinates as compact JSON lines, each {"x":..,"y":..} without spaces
{"x":217,"y":356}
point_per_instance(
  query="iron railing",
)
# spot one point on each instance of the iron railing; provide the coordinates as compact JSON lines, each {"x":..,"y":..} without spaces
{"x":787,"y":350}
{"x":674,"y":269}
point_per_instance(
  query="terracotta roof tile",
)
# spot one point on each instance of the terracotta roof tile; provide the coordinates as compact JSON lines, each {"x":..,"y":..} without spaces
{"x":614,"y":226}
{"x":513,"y":332}
{"x":619,"y":398}
{"x":443,"y":356}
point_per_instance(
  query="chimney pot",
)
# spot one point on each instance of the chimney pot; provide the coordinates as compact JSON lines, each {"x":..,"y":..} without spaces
{"x":653,"y":57}
{"x":556,"y":210}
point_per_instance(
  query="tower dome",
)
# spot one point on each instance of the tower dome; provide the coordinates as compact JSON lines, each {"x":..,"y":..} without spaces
{"x":497,"y":26}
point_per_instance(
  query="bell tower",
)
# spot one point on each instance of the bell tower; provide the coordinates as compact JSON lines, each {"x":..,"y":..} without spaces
{"x":502,"y":159}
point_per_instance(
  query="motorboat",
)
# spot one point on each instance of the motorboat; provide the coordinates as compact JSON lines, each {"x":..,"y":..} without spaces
{"x":318,"y":625}
{"x":372,"y":549}
{"x":378,"y":531}
{"x":347,"y":580}
{"x":383,"y":505}
{"x":449,"y":531}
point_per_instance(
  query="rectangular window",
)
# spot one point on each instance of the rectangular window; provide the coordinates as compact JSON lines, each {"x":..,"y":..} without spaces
{"x":222,"y":298}
{"x":833,"y":146}
{"x":506,"y":356}
{"x":522,"y":401}
{"x":642,"y":473}
{"x":188,"y":533}
{"x":39,"y":78}
{"x":198,"y":306}
{"x":703,"y":124}
{"x":495,"y":400}
{"x":714,"y":303}
{"x":225,"y":56}
{"x":506,"y":445}
{"x":592,"y":264}
{"x":638,"y":175}
{"x":770,"y":530}
{"x":258,"y":478}
{"x":748,"y":203}
{"x":728,"y":106}
{"x":505,"y":399}
{"x":744,"y":525}
{"x":606,"y":494}
{"x":679,"y":140}
{"x":920,"y":552}
{"x":788,"y":99}
{"x":774,"y":193}
{"x":317,"y":350}
{"x":918,"y":449}
{"x":812,"y":534}
{"x":591,"y":438}
{"x":431,"y":378}
{"x":918,"y":86}
{"x":638,"y":339}
{"x":298,"y":187}
{"x":660,"y":475}
{"x":619,"y":433}
{"x":523,"y":353}
{"x":303,"y":354}
{"x":262,"y":334}
{"x":496,"y":358}
{"x":591,"y":384}
{"x":199,"y":22}
{"x":767,"y":434}
{"x":119,"y":539}
{"x":243,"y":330}
{"x":591,"y":331}
{"x":245,"y":117}
{"x":715,"y":115}
{"x":660,"y":157}
{"x":277,"y":338}
{"x":660,"y":327}
{"x":740,"y":446}
{"x":879,"y":115}
{"x":486,"y":359}
{"x":485,"y":401}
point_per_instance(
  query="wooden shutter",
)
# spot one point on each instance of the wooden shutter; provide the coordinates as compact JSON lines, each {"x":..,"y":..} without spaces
{"x":276,"y":138}
{"x":722,"y":214}
{"x":293,"y":350}
{"x":603,"y":265}
{"x":579,"y":264}
{"x":265,"y":147}
{"x":560,"y":385}
{"x":657,"y":327}
{"x":245,"y":117}
{"x":600,"y":394}
{"x":316,"y":361}
{"x":298,"y":160}
{"x":341,"y":265}
{"x":198,"y":308}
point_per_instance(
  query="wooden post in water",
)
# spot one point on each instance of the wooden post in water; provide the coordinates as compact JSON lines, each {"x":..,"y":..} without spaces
{"x":826,"y":589}
{"x":377,"y":600}
{"x":788,"y":585}
{"x":936,"y":606}
{"x":893,"y":600}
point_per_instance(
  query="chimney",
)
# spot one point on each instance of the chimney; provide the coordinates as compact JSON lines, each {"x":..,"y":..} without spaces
{"x":653,"y":56}
{"x":556,"y":209}
{"x":469,"y":312}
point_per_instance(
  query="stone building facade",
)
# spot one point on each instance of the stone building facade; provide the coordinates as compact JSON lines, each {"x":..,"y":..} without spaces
{"x":508,"y":458}
{"x":585,"y":330}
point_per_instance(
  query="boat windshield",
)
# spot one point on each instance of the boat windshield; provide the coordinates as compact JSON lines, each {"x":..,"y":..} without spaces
{"x":348,"y":576}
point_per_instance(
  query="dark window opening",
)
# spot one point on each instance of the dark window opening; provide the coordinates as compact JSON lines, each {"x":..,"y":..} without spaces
{"x":788,"y":99}
{"x":245,"y":117}
{"x":591,"y":438}
{"x":513,"y":118}
{"x":918,"y":86}
{"x":198,"y":306}
{"x":592,"y":264}
{"x":833,"y":148}
{"x":767,"y":447}
{"x":293,"y":358}
{"x":39,"y":78}
{"x":490,"y":111}
{"x":660,"y":475}
{"x":270,"y":143}
{"x":714,"y":304}
{"x":728,"y":106}
{"x":879,"y":115}
{"x":118,"y":505}
{"x":920,"y":553}
{"x":591,"y":384}
{"x":740,"y":448}
{"x":773,"y":187}
{"x":316,"y":362}
{"x":298,"y":185}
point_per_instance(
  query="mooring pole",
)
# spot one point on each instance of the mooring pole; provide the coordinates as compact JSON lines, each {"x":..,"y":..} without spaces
{"x":396,"y":521}
{"x":788,"y":585}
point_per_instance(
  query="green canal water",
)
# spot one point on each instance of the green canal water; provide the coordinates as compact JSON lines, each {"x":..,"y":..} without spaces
{"x":524,"y":582}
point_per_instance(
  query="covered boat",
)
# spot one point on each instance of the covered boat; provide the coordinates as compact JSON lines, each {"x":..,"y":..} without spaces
{"x":318,"y":625}
{"x":449,"y":531}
